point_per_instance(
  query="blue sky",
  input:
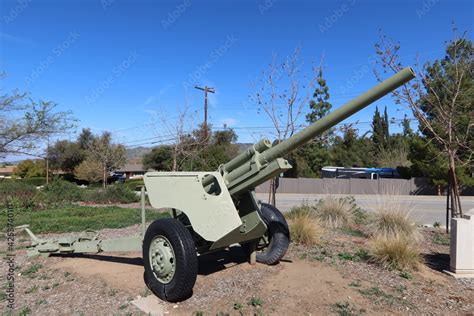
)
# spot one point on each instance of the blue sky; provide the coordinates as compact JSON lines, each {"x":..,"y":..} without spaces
{"x":119,"y":65}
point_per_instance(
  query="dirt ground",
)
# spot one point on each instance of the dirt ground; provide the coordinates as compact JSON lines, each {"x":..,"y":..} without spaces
{"x":318,"y":281}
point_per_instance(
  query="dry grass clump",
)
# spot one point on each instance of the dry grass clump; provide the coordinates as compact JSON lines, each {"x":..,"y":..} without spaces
{"x":395,"y":238}
{"x":335,"y":212}
{"x":396,"y":252}
{"x":303,"y":209}
{"x":392,"y":219}
{"x":305,"y":229}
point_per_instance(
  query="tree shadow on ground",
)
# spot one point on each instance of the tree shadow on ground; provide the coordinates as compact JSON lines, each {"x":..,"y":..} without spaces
{"x":437,"y":261}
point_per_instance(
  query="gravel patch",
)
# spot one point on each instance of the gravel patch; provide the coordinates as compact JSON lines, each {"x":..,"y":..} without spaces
{"x":226,"y":283}
{"x":427,"y":291}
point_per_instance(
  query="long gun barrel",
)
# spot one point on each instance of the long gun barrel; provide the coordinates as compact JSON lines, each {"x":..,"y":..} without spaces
{"x":351,"y":107}
{"x":262,"y":162}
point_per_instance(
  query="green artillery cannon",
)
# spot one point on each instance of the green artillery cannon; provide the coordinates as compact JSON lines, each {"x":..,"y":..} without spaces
{"x":214,"y":210}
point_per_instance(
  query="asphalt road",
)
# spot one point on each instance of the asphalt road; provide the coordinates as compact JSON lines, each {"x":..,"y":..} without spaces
{"x":422,"y":209}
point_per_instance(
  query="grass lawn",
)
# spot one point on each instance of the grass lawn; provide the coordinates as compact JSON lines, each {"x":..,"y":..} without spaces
{"x":78,"y":218}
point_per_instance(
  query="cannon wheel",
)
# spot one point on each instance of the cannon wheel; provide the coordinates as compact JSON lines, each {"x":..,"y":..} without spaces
{"x":273,"y":245}
{"x":170,"y":260}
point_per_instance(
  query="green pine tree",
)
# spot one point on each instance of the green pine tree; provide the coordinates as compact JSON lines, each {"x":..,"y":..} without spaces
{"x":385,"y":125}
{"x":407,"y":131}
{"x":321,"y":106}
{"x":377,"y":129}
{"x":380,"y":130}
{"x":308,"y":160}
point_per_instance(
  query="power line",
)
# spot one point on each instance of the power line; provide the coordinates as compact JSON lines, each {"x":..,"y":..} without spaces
{"x":241,"y":129}
{"x":152,"y":143}
{"x":146,"y":124}
{"x":283,"y":106}
{"x":149,"y":138}
{"x":230,"y":106}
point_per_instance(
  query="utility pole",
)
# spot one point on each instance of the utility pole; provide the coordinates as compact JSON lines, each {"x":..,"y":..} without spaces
{"x":47,"y":161}
{"x":206,"y":89}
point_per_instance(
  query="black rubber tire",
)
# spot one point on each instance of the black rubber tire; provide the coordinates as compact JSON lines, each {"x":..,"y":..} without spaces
{"x":181,"y":285}
{"x":278,"y":233}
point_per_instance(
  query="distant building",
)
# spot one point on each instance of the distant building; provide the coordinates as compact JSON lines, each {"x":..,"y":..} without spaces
{"x":131,"y":171}
{"x":359,"y":173}
{"x":7,"y":171}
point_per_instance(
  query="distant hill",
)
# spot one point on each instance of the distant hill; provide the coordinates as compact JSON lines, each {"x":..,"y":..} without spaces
{"x":137,"y":153}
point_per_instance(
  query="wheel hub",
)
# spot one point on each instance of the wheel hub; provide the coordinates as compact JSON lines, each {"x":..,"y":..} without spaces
{"x":162,"y":259}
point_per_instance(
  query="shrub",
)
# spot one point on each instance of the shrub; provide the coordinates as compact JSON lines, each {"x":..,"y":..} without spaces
{"x":36,"y":181}
{"x":71,"y":178}
{"x":21,"y":195}
{"x":335,"y":212}
{"x":117,"y":193}
{"x":441,"y":238}
{"x":406,"y":275}
{"x":302,"y":210}
{"x":361,"y":217}
{"x":351,"y":231}
{"x":133,"y":184}
{"x":255,"y":301}
{"x":58,"y":193}
{"x":345,"y":309}
{"x":75,"y":218}
{"x":305,"y":228}
{"x":396,"y":252}
{"x":9,"y":187}
{"x":392,"y":218}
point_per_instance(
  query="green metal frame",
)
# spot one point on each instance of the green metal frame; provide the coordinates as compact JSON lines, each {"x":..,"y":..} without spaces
{"x":87,"y":241}
{"x":219,"y":208}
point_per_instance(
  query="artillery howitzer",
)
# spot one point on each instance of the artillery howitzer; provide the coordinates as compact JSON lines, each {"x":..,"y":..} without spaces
{"x":213,"y":210}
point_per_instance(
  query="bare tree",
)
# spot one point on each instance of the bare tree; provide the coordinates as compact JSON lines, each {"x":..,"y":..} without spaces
{"x":282,"y":93}
{"x":179,"y":135}
{"x":441,"y":100}
{"x":180,"y":150}
{"x":25,"y":124}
